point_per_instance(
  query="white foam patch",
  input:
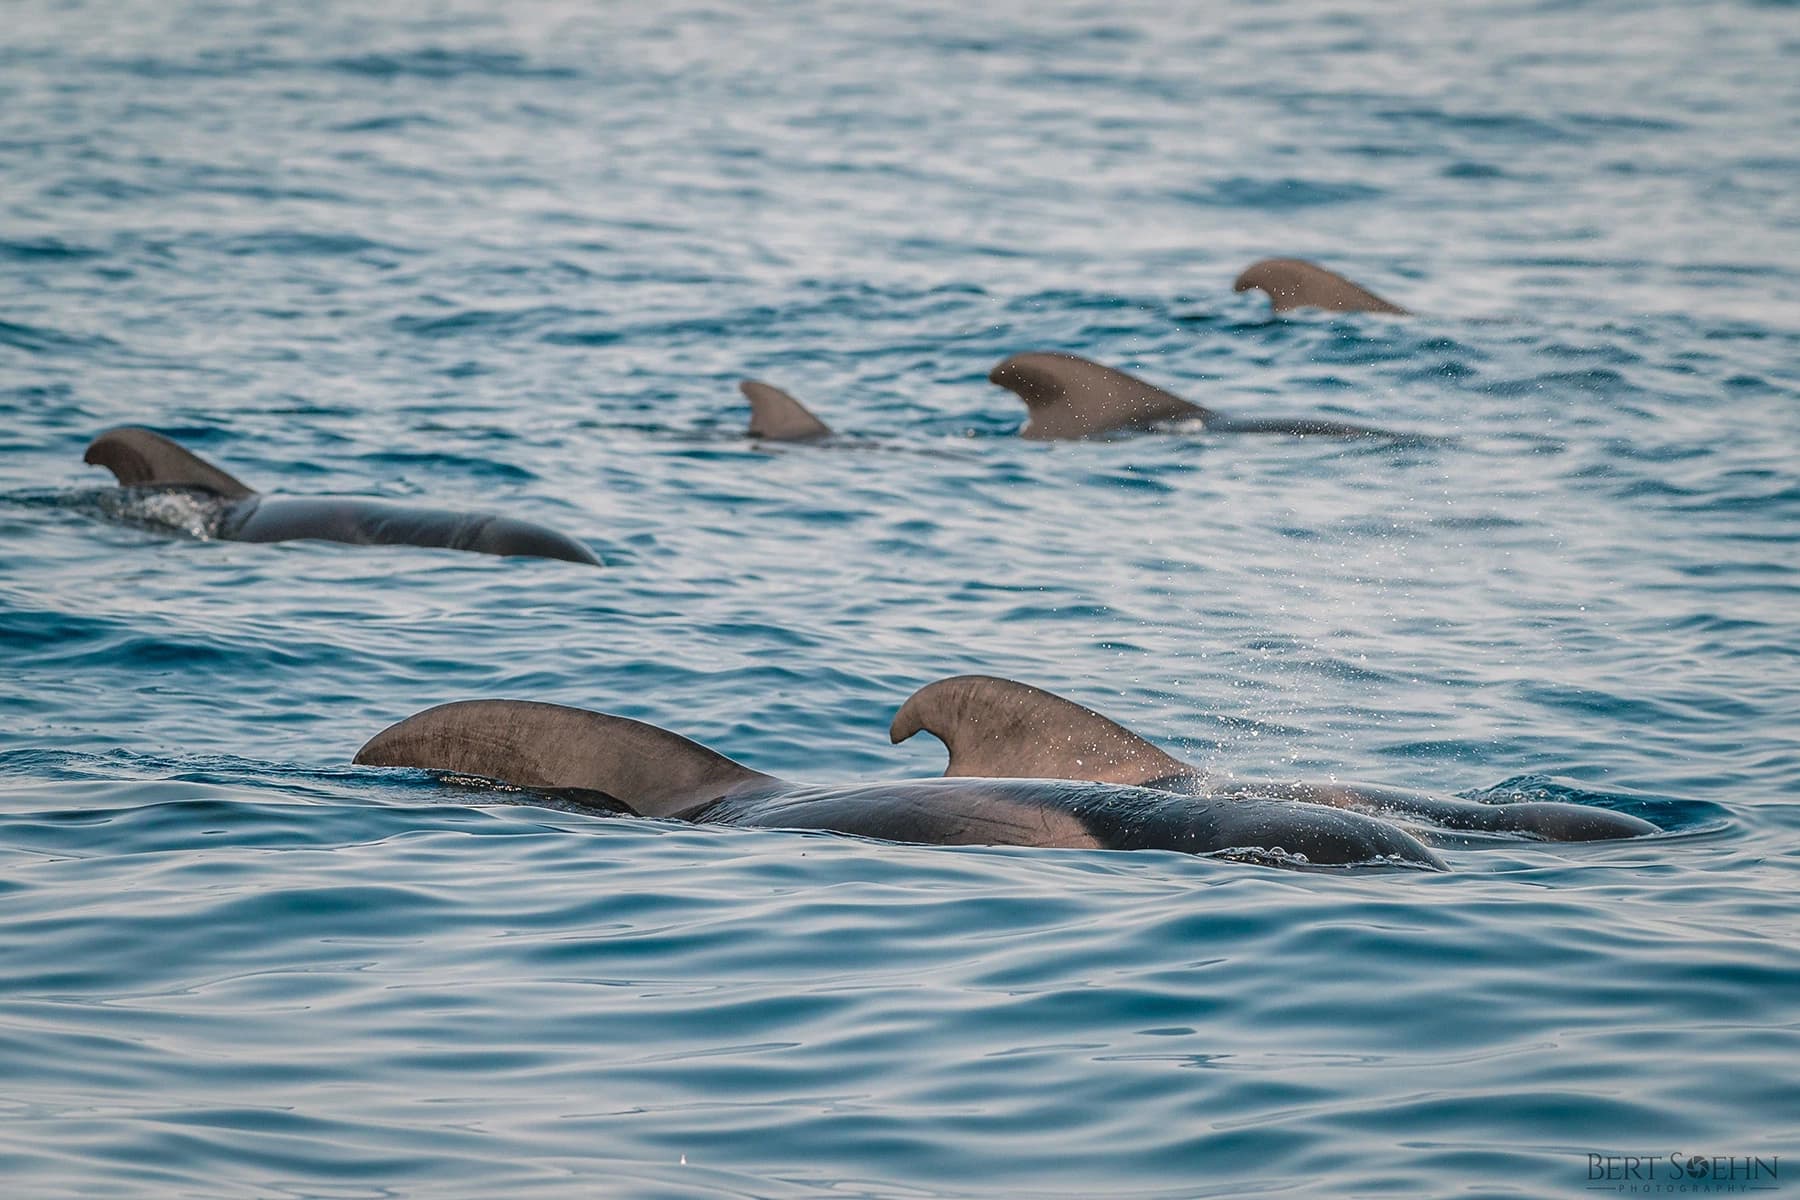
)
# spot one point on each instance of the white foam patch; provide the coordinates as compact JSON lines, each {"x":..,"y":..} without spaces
{"x":179,"y":510}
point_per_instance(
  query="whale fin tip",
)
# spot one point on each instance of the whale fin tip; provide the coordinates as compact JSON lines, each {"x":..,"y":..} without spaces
{"x":529,"y":744}
{"x":1292,"y":283}
{"x":142,"y":458}
{"x":777,"y":416}
{"x":1073,"y":397}
{"x":998,"y":728}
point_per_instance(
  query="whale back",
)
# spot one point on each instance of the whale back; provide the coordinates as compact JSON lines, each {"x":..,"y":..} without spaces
{"x":1073,"y":397}
{"x":1295,"y":283}
{"x":528,"y":539}
{"x":140,"y":458}
{"x":653,"y":772}
{"x":1077,"y":814}
{"x":997,"y":728}
{"x":779,"y":417}
{"x":363,"y":521}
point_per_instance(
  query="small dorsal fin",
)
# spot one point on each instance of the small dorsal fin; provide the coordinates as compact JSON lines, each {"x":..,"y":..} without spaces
{"x":1072,"y":397}
{"x":779,"y":417}
{"x":139,"y":458}
{"x":996,"y":728}
{"x":522,"y":742}
{"x":1295,"y":283}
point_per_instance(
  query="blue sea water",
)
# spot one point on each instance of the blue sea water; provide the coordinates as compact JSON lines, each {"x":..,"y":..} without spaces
{"x":517,"y":256}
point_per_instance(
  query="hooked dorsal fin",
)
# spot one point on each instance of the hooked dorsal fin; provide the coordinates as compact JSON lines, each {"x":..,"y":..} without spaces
{"x":1295,"y":283}
{"x":139,"y":457}
{"x":996,"y":728}
{"x":654,"y":772}
{"x":779,"y":417}
{"x":1071,"y":397}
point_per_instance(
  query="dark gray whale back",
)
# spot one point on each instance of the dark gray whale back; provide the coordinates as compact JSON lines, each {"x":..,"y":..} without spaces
{"x":779,"y":417}
{"x":1292,"y":283}
{"x":999,"y":728}
{"x":359,"y":521}
{"x":1075,"y":814}
{"x":142,"y":458}
{"x":656,"y":773}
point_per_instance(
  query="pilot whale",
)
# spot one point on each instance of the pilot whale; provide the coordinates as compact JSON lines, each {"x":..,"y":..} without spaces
{"x":646,"y":771}
{"x":1292,"y":283}
{"x":999,"y":728}
{"x":1073,"y":397}
{"x":143,"y":459}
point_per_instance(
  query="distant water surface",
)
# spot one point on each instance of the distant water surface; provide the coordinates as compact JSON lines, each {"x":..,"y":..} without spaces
{"x":517,"y":256}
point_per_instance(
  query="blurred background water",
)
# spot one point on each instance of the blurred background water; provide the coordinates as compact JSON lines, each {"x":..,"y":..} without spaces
{"x":516,"y":257}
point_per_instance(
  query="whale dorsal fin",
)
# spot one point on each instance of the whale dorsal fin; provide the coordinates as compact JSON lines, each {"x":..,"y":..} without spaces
{"x":1295,"y":283}
{"x":996,"y":728}
{"x":652,"y":771}
{"x":139,"y":458}
{"x":778,"y":416}
{"x":1071,"y":397}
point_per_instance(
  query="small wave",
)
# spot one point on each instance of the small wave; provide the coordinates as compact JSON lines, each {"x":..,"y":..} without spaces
{"x":488,"y":322}
{"x":304,"y":243}
{"x":44,"y":249}
{"x":40,"y":340}
{"x":1506,"y":128}
{"x":1244,"y":192}
{"x":389,"y":123}
{"x":430,"y":62}
{"x":434,"y":62}
{"x":1473,"y":170}
{"x":460,"y":464}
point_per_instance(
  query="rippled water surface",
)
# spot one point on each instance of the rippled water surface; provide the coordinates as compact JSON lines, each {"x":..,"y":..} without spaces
{"x":517,"y":256}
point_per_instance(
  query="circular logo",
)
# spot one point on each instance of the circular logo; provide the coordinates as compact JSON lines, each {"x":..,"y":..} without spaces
{"x":1696,"y":1167}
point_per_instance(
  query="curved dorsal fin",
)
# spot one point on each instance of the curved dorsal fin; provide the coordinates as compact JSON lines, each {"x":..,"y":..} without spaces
{"x":139,"y":457}
{"x":654,"y":772}
{"x":996,"y":728}
{"x":778,"y":416}
{"x":1295,"y":283}
{"x":1071,"y":397}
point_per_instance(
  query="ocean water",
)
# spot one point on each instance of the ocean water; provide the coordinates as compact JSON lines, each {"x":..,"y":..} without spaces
{"x":517,"y":256}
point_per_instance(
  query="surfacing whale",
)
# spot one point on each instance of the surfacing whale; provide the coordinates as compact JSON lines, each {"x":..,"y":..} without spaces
{"x":139,"y":458}
{"x":998,"y":727}
{"x":627,"y":765}
{"x":1073,"y":397}
{"x":1293,"y":283}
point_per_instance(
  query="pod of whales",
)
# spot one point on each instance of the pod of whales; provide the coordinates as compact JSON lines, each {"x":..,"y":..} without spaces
{"x":651,"y":772}
{"x":1000,"y":728}
{"x":141,"y":458}
{"x":1026,"y":767}
{"x":1293,"y":283}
